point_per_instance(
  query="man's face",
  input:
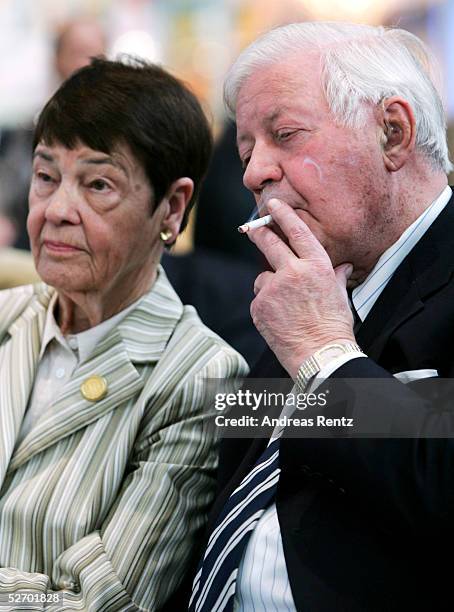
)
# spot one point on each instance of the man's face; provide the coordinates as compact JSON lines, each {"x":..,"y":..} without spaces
{"x":333,"y":176}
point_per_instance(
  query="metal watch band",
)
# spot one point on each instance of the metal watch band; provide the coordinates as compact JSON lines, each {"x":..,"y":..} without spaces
{"x":313,"y":364}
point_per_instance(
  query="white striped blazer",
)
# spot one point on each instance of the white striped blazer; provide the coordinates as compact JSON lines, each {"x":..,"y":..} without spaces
{"x":104,"y":500}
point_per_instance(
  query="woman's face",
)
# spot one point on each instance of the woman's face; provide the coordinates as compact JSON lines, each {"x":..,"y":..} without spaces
{"x":90,"y":222}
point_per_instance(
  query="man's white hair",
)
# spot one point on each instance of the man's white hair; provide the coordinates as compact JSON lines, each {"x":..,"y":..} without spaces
{"x":360,"y":65}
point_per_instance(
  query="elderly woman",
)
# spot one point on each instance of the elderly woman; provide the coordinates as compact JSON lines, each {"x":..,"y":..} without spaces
{"x":106,"y":465}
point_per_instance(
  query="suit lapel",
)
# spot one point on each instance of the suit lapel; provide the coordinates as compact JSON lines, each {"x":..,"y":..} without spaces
{"x":139,"y":340}
{"x":399,"y":301}
{"x":424,"y":272}
{"x":18,"y":362}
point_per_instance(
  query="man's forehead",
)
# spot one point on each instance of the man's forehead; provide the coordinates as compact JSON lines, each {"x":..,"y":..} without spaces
{"x":281,"y":85}
{"x":293,"y":103}
{"x":301,"y":69}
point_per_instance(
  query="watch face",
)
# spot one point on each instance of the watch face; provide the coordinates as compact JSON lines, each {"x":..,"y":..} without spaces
{"x":332,"y":351}
{"x":329,"y":353}
{"x":336,"y":352}
{"x":312,"y":366}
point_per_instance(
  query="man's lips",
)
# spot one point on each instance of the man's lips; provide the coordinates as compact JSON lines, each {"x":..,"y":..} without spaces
{"x":60,"y":247}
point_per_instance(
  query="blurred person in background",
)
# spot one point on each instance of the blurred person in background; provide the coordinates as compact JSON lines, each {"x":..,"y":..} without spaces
{"x":107,"y":464}
{"x":75,"y":42}
{"x":221,"y":288}
{"x":225,"y":203}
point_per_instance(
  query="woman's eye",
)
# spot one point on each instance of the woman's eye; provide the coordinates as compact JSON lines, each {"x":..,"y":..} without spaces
{"x":43,"y":176}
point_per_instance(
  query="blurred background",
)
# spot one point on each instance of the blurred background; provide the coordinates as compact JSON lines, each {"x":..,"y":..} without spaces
{"x":196,"y":39}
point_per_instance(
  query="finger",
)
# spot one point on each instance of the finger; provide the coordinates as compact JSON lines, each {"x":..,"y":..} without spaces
{"x":261,"y":280}
{"x":343,"y":273}
{"x":276,"y":251}
{"x":301,"y":239}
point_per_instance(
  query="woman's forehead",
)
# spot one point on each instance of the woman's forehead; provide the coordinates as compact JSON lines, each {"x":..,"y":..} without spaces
{"x":120,"y":156}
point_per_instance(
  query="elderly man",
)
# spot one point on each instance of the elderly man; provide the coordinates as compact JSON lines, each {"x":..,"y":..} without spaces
{"x":342,"y":136}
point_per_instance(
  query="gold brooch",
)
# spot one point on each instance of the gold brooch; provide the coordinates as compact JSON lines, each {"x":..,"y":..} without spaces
{"x":94,"y":388}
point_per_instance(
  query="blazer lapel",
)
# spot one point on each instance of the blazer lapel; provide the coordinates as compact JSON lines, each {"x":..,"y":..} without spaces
{"x":398,"y":302}
{"x":18,"y":362}
{"x":71,"y":411}
{"x":425,"y":270}
{"x":139,"y":340}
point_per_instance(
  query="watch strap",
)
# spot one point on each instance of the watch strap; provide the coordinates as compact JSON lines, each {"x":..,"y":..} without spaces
{"x":313,"y":364}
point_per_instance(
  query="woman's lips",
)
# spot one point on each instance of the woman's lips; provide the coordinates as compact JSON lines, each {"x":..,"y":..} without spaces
{"x":60,"y":247}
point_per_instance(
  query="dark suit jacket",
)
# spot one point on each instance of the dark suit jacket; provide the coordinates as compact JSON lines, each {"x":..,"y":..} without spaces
{"x":364,"y":522}
{"x":221,"y":289}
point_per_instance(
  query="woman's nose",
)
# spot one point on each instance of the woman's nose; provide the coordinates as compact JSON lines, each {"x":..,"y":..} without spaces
{"x":63,"y":206}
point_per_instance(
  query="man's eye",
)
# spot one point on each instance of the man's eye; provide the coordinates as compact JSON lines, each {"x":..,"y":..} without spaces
{"x":99,"y":185}
{"x":284,"y":135}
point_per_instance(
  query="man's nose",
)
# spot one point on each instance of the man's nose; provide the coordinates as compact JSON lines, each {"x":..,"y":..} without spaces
{"x":262,"y":170}
{"x":63,"y":206}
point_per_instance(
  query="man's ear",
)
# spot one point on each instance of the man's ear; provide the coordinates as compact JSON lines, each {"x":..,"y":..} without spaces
{"x":177,"y":198}
{"x":397,"y":132}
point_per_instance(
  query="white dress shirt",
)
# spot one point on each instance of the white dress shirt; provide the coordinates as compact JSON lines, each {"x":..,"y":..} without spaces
{"x":262,"y":581}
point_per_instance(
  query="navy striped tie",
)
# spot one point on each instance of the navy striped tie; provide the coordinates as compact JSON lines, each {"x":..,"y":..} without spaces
{"x":356,"y":318}
{"x":215,"y":582}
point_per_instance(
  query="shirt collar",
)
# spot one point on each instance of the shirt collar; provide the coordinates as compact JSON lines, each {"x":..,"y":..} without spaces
{"x":365,"y":295}
{"x":51,"y":330}
{"x":85,"y":341}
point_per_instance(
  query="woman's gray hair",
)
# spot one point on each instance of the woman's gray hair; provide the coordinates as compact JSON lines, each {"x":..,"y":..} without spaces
{"x":361,"y":65}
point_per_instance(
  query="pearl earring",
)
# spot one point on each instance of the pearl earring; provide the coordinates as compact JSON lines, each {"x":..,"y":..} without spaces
{"x":165,"y":235}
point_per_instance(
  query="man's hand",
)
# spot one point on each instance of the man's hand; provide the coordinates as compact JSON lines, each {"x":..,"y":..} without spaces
{"x":303,"y":304}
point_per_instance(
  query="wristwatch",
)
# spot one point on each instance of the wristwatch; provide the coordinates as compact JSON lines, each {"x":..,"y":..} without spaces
{"x":313,"y":364}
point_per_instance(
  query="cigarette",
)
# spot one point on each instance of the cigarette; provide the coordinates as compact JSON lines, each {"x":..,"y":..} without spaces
{"x":246,"y":227}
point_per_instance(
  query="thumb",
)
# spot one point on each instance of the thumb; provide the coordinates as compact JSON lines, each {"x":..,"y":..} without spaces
{"x":343,"y":273}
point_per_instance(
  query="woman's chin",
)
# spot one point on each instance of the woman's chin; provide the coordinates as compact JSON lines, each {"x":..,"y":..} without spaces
{"x":62,"y":279}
